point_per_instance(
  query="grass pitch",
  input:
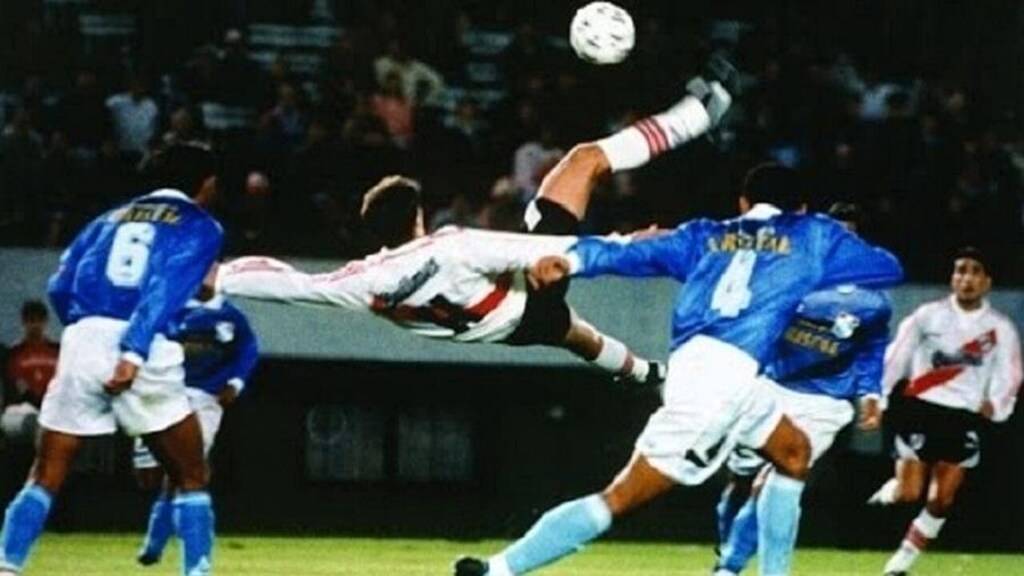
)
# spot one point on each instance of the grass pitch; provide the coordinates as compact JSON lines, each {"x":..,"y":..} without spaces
{"x":94,"y":555}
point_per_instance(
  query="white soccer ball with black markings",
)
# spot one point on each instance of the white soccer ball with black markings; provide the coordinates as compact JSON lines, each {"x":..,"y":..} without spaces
{"x":602,"y":33}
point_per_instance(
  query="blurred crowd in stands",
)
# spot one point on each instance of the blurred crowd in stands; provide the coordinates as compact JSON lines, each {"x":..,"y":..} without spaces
{"x":911,"y":109}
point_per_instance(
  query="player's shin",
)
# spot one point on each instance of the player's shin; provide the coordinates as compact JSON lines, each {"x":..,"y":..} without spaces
{"x":158,"y":531}
{"x":778,"y":520}
{"x":193,"y":521}
{"x":23,"y":524}
{"x":740,"y":544}
{"x":922,"y":531}
{"x":729,"y":504}
{"x":560,"y":532}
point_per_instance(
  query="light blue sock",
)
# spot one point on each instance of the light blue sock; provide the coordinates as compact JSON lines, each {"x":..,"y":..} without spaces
{"x":741,"y":544}
{"x":725,"y":511}
{"x":193,"y":521}
{"x":160,"y":528}
{"x":559,"y":532}
{"x":26,"y":516}
{"x":778,"y":512}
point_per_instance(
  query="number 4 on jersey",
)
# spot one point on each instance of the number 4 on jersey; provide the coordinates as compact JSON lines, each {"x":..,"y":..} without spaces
{"x":732,"y":293}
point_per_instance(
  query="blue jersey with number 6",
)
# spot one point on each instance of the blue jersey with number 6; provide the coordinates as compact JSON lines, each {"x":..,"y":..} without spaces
{"x":744,"y":277}
{"x":140,"y":262}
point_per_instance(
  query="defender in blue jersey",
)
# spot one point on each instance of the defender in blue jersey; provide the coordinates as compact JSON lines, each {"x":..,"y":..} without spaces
{"x":830,"y":355}
{"x":744,"y":279}
{"x":119,"y":284}
{"x":220,"y":353}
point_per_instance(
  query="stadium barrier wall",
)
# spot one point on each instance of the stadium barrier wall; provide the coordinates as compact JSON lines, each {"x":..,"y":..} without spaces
{"x":635,"y":311}
{"x":476,"y":441}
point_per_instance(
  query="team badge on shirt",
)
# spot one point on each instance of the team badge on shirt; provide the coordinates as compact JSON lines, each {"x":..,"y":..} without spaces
{"x":225,"y":331}
{"x":845,"y":325}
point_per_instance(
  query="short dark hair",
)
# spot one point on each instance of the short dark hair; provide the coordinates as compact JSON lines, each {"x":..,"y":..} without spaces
{"x":975,"y":254}
{"x":774,"y":184}
{"x":845,"y":212}
{"x":182,"y":166}
{"x":34,"y":309}
{"x":390,"y":209}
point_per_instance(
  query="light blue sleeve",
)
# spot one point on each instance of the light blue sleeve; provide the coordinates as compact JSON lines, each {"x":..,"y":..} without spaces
{"x":178,"y":262}
{"x":673,"y":254}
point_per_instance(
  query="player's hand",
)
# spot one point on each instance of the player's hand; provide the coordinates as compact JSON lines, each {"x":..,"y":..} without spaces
{"x":870,"y":414}
{"x":227,"y":396}
{"x":209,"y":289}
{"x":547,"y":271}
{"x":124,"y":374}
{"x":987,"y":409}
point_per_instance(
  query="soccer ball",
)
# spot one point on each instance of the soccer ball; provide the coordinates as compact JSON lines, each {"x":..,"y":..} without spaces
{"x":602,"y":33}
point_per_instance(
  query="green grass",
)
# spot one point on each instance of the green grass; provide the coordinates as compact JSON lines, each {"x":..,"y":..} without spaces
{"x":89,"y":555}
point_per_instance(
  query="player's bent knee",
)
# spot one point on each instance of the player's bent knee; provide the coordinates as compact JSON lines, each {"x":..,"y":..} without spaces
{"x":789,"y":450}
{"x":905,"y":494}
{"x":588,"y":157}
{"x":940,"y":502}
{"x":638,"y":483}
{"x":796,"y":456}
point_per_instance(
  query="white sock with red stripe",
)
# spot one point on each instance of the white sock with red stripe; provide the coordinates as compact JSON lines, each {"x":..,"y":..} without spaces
{"x":616,"y":357}
{"x":635,"y":146}
{"x":922,"y":531}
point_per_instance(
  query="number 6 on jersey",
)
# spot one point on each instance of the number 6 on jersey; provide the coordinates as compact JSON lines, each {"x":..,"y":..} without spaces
{"x":129,"y":253}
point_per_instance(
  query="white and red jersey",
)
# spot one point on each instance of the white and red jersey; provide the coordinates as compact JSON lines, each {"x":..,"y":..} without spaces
{"x":456,"y":284}
{"x":957,"y":358}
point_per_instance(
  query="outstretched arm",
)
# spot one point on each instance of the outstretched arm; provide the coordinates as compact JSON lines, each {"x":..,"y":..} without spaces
{"x":672,"y":254}
{"x":263,"y":278}
{"x":175,"y":273}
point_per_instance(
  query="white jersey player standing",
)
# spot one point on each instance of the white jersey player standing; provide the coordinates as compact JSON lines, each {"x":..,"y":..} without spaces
{"x":961,"y":360}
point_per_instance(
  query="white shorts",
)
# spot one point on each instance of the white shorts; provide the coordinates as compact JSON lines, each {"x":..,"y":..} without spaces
{"x":209,"y":412}
{"x":713,"y":402}
{"x":76,"y":403}
{"x":820,"y":417}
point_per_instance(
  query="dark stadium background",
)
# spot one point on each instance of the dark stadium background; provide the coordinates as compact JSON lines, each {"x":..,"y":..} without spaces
{"x":910,"y":108}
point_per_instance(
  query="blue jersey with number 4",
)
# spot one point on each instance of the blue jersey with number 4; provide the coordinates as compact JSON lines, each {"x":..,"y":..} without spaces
{"x":744,"y":277}
{"x":836,"y":344}
{"x":140,"y":262}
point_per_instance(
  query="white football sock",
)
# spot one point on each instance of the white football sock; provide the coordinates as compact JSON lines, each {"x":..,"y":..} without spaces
{"x":615,"y":357}
{"x":636,"y":145}
{"x":922,"y":531}
{"x":497,"y":565}
{"x":886,"y":494}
